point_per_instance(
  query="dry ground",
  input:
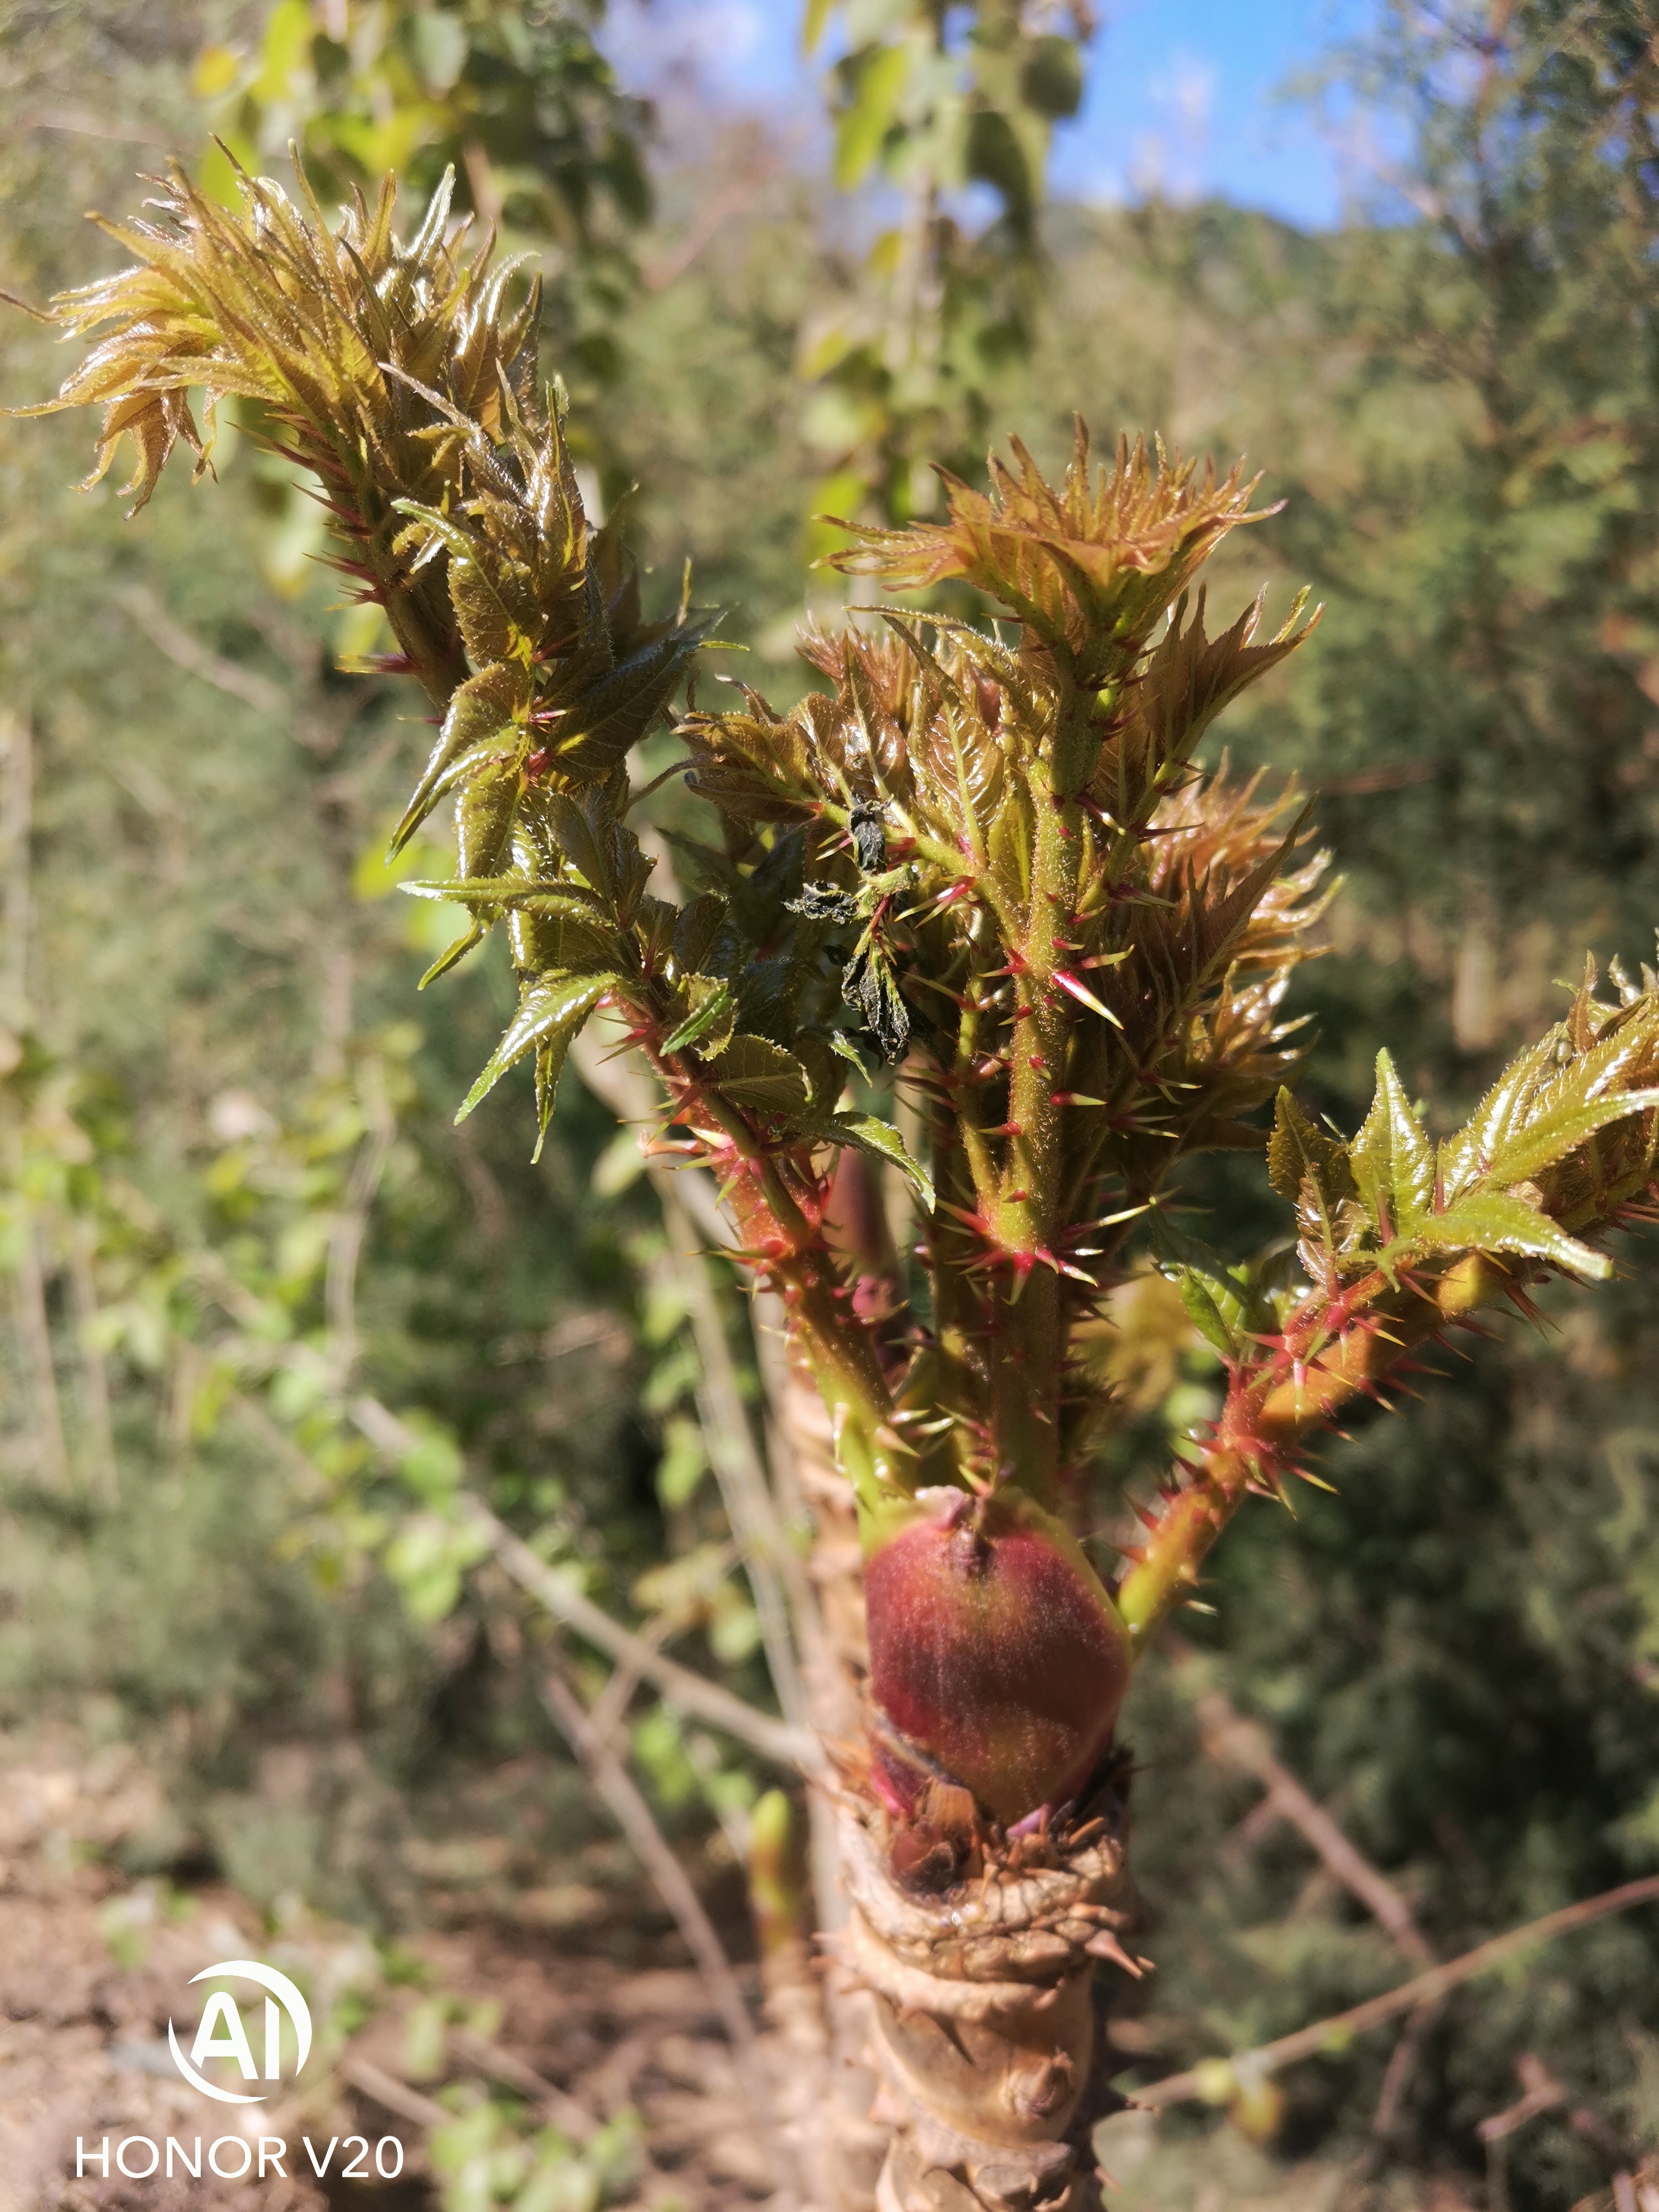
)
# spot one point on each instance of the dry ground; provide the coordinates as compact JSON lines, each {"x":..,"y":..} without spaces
{"x":93,"y":1964}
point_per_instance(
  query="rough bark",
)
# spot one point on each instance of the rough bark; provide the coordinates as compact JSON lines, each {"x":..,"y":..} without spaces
{"x":827,"y":2027}
{"x":985,"y":2014}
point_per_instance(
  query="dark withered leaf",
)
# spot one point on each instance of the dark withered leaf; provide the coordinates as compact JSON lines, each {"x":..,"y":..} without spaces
{"x":869,"y":838}
{"x":824,"y":902}
{"x":868,"y":983}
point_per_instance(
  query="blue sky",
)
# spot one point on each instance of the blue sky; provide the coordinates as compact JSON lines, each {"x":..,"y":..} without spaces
{"x":1182,"y":93}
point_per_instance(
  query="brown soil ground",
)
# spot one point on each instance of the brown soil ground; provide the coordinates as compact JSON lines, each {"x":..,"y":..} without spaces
{"x":93,"y":1964}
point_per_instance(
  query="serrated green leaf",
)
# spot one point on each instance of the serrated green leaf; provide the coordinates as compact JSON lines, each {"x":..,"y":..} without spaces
{"x":1175,"y":1248}
{"x":1392,"y":1160}
{"x":709,"y":1024}
{"x":1304,"y":1163}
{"x":580,"y":842}
{"x":1543,"y":1143}
{"x":695,"y":928}
{"x":1197,"y":1296}
{"x":444,"y":527}
{"x":1505,"y":1102}
{"x":554,"y":900}
{"x":542,"y":944}
{"x":453,"y":954}
{"x":483,"y":821}
{"x":550,"y":1006}
{"x":550,"y":1053}
{"x":883,"y":1142}
{"x":1497,"y":1221}
{"x":595,"y":731}
{"x":484,"y":707}
{"x":755,"y":1072}
{"x":495,"y":602}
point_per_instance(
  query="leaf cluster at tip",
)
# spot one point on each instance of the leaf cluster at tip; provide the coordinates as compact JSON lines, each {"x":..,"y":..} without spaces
{"x":1562,"y":1142}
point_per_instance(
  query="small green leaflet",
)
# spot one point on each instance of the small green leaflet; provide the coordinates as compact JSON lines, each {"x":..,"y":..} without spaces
{"x":883,"y":1142}
{"x":1542,"y":1143}
{"x":1499,"y":1113}
{"x":484,"y":707}
{"x":549,"y":1065}
{"x":613,"y":714}
{"x":568,"y":902}
{"x":755,"y":1072}
{"x":483,"y":821}
{"x":1497,"y":1221}
{"x":711,"y":999}
{"x":497,"y":613}
{"x":453,"y":954}
{"x":1307,"y":1167}
{"x":695,"y":931}
{"x":1198,"y":1295}
{"x":1392,"y":1158}
{"x":551,"y":1009}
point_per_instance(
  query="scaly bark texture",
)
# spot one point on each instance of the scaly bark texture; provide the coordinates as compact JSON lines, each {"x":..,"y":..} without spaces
{"x":978,"y":871}
{"x":985,"y":2022}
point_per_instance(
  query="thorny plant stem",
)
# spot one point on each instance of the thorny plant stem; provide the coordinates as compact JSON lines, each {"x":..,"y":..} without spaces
{"x":1026,"y":1393}
{"x":1336,"y":1347}
{"x":782,"y":1232}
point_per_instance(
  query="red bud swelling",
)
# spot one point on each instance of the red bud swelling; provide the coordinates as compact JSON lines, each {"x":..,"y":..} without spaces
{"x":994,"y":1650}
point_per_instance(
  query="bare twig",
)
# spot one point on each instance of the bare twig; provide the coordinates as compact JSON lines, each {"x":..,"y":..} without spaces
{"x":94,"y":1383}
{"x":395,"y":2095}
{"x":81,"y":123}
{"x":1234,"y":1740}
{"x":769,"y":1560}
{"x":566,"y":2114}
{"x":691,"y":1210}
{"x":658,"y":276}
{"x":15,"y":811}
{"x":605,"y":1714}
{"x":277,"y":1438}
{"x":142,"y":607}
{"x":345,"y":1242}
{"x":611,"y":1781}
{"x":1397,"y":2074}
{"x":481,"y":182}
{"x":1334,"y":2033}
{"x":35,"y":1329}
{"x":1541,"y":2093}
{"x":677,"y":1686}
{"x":617,"y":1080}
{"x":1376,"y":780}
